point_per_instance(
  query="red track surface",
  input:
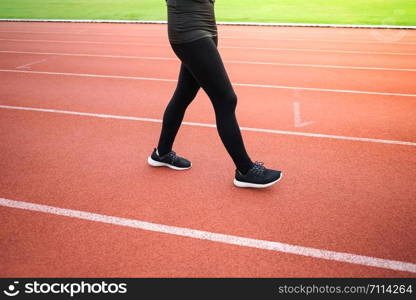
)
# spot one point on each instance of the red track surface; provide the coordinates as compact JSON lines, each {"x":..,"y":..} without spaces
{"x":340,"y":195}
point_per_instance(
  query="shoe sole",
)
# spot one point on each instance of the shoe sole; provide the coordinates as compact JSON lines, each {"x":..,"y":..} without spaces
{"x":155,"y":163}
{"x":243,"y":184}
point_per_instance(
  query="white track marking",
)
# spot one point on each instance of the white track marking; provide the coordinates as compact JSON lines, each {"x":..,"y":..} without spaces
{"x":318,"y":66}
{"x":297,"y":117}
{"x":215,"y":237}
{"x":235,"y":24}
{"x":227,"y":61}
{"x":321,"y":50}
{"x":241,"y":37}
{"x":221,"y":47}
{"x":318,"y":40}
{"x":321,"y":90}
{"x":93,"y":55}
{"x":296,"y":133}
{"x":31,"y":64}
{"x":234,"y":84}
{"x":161,"y":34}
{"x":87,"y":42}
{"x":91,"y":75}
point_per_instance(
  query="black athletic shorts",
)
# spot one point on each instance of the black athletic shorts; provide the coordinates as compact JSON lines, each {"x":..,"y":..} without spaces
{"x":189,"y":20}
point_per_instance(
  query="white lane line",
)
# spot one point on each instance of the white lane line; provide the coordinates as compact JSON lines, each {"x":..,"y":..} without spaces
{"x":319,"y":66}
{"x":234,"y":84}
{"x":221,"y":47}
{"x":241,"y":37}
{"x":91,"y":55}
{"x":90,"y":75}
{"x":321,"y":50}
{"x":296,"y":133}
{"x":31,"y":64}
{"x":160,"y":33}
{"x":243,"y":25}
{"x":320,"y":40}
{"x":87,"y":42}
{"x":297,"y":117}
{"x":215,"y":237}
{"x":322,"y":90}
{"x":227,"y":61}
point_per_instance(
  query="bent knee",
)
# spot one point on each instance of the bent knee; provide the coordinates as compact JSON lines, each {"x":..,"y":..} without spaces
{"x":230,"y":100}
{"x":184,"y":97}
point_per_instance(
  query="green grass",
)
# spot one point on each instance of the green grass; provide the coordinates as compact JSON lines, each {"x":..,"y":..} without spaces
{"x":377,"y":12}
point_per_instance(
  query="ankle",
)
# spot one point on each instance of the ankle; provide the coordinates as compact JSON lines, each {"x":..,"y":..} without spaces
{"x":245,"y":168}
{"x":161,"y":153}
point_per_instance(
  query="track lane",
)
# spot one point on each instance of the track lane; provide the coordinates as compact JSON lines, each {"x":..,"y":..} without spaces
{"x":58,"y":167}
{"x":389,"y":118}
{"x":253,"y":56}
{"x":99,"y":165}
{"x":358,"y":34}
{"x":376,"y":47}
{"x":387,"y":40}
{"x":342,"y":79}
{"x":75,"y":248}
{"x":273,"y":55}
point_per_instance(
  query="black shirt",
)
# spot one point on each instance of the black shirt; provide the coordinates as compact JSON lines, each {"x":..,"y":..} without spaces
{"x":189,"y":20}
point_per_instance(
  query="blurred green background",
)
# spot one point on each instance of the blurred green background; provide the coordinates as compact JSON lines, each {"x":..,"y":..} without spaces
{"x":377,"y":12}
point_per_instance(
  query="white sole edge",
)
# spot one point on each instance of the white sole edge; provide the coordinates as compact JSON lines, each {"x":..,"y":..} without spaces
{"x":243,"y":184}
{"x":155,"y":163}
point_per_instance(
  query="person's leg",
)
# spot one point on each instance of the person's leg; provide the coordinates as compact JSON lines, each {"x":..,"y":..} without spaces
{"x":185,"y":92}
{"x":203,"y":60}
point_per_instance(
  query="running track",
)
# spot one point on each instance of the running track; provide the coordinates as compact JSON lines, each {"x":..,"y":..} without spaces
{"x":80,"y":108}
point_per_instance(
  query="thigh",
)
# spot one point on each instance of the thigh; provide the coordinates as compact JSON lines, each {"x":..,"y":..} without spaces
{"x":187,"y":84}
{"x":204,"y":62}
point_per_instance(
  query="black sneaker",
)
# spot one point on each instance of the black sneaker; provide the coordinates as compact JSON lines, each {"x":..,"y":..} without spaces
{"x":257,"y":177}
{"x":170,"y":160}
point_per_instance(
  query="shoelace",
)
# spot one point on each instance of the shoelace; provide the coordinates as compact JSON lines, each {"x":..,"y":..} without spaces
{"x":172,"y":156}
{"x":258,"y":167}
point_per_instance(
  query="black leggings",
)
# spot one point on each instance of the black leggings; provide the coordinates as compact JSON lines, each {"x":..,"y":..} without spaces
{"x":202,"y":67}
